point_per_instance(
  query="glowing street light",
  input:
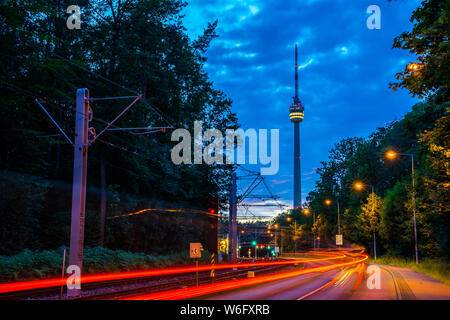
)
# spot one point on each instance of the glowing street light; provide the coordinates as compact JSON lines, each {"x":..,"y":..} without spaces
{"x":358,"y":185}
{"x":288,"y":219}
{"x":392,"y":154}
{"x":328,"y":202}
{"x":414,"y":66}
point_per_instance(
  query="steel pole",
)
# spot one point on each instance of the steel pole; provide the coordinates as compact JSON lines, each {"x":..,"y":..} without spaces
{"x":373,"y":215}
{"x":339,"y":223}
{"x":79,"y":184}
{"x":414,"y":209}
{"x":233,"y":219}
{"x":314,"y":233}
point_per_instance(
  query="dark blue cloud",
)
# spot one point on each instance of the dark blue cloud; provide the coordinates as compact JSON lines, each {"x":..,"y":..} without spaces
{"x":344,"y":75}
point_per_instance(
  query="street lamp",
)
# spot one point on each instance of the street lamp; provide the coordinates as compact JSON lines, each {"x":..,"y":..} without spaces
{"x":414,"y":66}
{"x":359,"y":186}
{"x":392,"y":154}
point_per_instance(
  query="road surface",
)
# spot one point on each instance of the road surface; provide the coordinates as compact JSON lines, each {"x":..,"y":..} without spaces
{"x":344,"y":284}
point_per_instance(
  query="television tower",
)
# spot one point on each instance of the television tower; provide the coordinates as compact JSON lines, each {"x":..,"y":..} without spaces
{"x":296,"y":115}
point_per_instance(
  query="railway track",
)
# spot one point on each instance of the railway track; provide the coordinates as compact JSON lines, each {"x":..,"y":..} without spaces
{"x":142,"y":284}
{"x":125,"y":287}
{"x":203,"y":279}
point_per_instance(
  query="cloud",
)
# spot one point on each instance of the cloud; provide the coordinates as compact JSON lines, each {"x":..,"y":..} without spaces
{"x":344,"y":71}
{"x":275,"y":181}
{"x":311,"y":172}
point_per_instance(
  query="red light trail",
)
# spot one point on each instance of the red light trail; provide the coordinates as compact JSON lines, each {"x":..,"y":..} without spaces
{"x":185,"y":293}
{"x":48,"y":283}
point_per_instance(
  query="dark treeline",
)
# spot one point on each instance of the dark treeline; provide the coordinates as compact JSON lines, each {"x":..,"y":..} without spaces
{"x":424,"y":132}
{"x":141,"y":45}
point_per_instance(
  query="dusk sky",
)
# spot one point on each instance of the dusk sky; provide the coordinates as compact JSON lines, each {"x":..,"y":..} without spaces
{"x":344,"y":75}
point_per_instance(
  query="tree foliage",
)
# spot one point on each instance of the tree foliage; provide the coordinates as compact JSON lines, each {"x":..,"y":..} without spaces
{"x":428,"y":39}
{"x":140,"y":46}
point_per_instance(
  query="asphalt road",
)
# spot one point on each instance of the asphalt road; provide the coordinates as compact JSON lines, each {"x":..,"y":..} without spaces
{"x":345,"y":284}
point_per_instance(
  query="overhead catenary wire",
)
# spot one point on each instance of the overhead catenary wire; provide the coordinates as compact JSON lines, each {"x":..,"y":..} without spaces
{"x":164,"y":117}
{"x":68,"y":107}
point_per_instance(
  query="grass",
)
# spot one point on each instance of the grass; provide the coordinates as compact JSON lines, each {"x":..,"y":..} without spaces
{"x":30,"y":265}
{"x":434,"y":268}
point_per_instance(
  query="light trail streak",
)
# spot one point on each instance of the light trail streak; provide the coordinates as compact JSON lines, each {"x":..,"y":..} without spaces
{"x":326,"y":285}
{"x":360,"y":271}
{"x":40,"y":284}
{"x":185,"y":293}
{"x":165,"y":210}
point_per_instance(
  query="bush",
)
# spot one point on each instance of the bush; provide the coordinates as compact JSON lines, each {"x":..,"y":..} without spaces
{"x":30,"y":264}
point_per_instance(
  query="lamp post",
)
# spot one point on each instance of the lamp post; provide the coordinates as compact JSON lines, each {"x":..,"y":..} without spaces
{"x":391,"y":154}
{"x":239,"y":242}
{"x":328,"y":202}
{"x":359,"y":186}
{"x":295,"y":237}
{"x":306,"y":212}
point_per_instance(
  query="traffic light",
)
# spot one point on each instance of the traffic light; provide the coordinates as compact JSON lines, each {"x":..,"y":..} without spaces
{"x":213,"y":220}
{"x":213,"y":205}
{"x":253,"y":243}
{"x":268,"y":247}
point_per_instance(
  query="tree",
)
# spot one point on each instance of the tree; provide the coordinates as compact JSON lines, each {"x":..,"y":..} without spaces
{"x":437,"y":178}
{"x":297,"y":232}
{"x":321,"y":226}
{"x":128,"y":44}
{"x":369,"y":218}
{"x":429,"y":41}
{"x":430,"y":76}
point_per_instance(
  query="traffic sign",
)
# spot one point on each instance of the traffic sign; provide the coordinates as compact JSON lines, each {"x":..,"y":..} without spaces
{"x":339,"y":240}
{"x":277,"y":249}
{"x":196,"y":249}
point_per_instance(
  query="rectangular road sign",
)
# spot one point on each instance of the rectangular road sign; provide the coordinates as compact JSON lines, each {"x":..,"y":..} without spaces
{"x":339,"y":240}
{"x":277,"y":249}
{"x":195,"y":249}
